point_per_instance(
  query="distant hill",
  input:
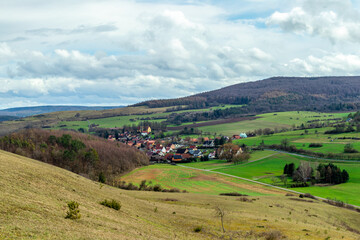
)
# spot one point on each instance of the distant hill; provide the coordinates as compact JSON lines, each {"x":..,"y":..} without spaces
{"x":29,"y":111}
{"x":7,"y":118}
{"x":279,"y":94}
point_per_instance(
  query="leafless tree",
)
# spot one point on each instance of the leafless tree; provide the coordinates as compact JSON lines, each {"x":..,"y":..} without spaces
{"x":303,"y":172}
{"x":220,"y":212}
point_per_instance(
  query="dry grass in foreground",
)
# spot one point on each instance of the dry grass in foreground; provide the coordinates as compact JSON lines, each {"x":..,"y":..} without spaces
{"x":34,"y":197}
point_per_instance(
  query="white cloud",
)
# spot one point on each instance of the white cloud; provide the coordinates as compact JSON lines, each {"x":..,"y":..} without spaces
{"x":122,"y":52}
{"x":336,"y":20}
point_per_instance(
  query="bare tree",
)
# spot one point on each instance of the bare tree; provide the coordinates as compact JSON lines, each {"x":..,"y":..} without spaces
{"x":220,"y":212}
{"x":303,"y":172}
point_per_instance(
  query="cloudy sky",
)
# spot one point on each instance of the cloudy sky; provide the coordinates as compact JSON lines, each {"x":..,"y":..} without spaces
{"x":119,"y":52}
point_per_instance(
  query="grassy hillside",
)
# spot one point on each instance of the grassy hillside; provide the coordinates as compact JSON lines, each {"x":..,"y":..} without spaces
{"x":35,"y":194}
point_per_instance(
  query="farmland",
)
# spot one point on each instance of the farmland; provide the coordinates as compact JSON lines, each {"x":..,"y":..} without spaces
{"x":272,"y":120}
{"x":35,"y":194}
{"x":227,"y":127}
{"x":331,"y":143}
{"x":264,"y":166}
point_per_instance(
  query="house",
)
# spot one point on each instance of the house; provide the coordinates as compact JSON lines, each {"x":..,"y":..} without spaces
{"x":209,"y":143}
{"x":243,"y":135}
{"x":193,"y":147}
{"x":181,"y":151}
{"x":176,"y":158}
{"x":143,"y":129}
{"x":212,"y":155}
{"x":196,"y":153}
{"x":236,"y":137}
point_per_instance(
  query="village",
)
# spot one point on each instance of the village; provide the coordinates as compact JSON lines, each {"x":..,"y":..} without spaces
{"x":172,"y":149}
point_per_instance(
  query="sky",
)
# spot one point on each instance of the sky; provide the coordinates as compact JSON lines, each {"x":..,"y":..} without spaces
{"x":120,"y":52}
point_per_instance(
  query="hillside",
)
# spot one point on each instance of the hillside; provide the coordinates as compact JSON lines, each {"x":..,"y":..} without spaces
{"x":29,"y":111}
{"x":84,"y":154}
{"x":280,"y":94}
{"x":35,"y":194}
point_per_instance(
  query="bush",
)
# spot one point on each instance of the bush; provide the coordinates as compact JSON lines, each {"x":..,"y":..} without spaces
{"x":198,"y":229}
{"x":308,"y":195}
{"x":233,"y":194}
{"x":273,"y":235}
{"x":302,"y":184}
{"x":111,"y":204}
{"x":102,"y":178}
{"x":315,"y":145}
{"x":74,"y":211}
{"x":157,"y":188}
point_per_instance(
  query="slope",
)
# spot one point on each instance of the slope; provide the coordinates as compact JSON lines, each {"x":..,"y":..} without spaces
{"x":34,"y":195}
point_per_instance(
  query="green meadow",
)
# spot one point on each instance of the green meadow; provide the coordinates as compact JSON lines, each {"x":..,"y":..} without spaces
{"x":194,"y":181}
{"x":119,"y":121}
{"x":268,"y":169}
{"x":271,"y":120}
{"x":264,"y":166}
{"x":331,"y":142}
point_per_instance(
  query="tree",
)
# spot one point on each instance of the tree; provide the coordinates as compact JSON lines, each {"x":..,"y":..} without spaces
{"x":220,"y":212}
{"x":344,"y":176}
{"x":349,"y":149}
{"x":73,"y":211}
{"x":286,"y":169}
{"x":291,"y":169}
{"x":303,"y":172}
{"x":285,"y":143}
{"x":240,"y":157}
{"x":228,"y":151}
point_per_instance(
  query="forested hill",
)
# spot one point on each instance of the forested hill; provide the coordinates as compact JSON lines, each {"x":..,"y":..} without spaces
{"x":280,"y":94}
{"x":83,"y":154}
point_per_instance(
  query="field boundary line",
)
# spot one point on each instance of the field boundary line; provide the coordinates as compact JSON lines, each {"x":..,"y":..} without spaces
{"x":261,"y":183}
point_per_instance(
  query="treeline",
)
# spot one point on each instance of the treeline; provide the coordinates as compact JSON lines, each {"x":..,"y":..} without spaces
{"x":325,"y":174}
{"x":90,"y":156}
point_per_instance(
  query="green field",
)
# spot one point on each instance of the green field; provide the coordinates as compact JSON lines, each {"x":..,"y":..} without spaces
{"x":271,"y":120}
{"x":265,"y":169}
{"x":194,"y":181}
{"x":119,"y":121}
{"x":331,"y":142}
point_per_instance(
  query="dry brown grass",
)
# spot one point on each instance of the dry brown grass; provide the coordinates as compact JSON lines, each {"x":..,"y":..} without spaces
{"x":34,"y":195}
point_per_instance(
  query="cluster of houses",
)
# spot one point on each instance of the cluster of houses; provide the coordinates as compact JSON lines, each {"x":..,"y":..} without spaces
{"x":168,"y":150}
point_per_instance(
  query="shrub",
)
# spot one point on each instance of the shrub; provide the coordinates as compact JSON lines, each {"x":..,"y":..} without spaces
{"x":111,"y":204}
{"x":198,"y":229}
{"x":244,"y":199}
{"x":74,"y":211}
{"x":315,"y":145}
{"x":102,"y":178}
{"x":308,"y":195}
{"x":273,"y":235}
{"x":157,"y":188}
{"x":234,"y":194}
